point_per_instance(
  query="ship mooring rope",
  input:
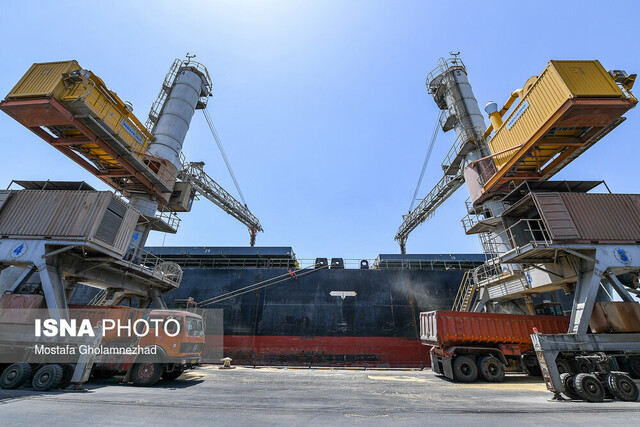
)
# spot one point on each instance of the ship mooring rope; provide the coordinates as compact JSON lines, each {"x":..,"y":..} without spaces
{"x":264,"y":284}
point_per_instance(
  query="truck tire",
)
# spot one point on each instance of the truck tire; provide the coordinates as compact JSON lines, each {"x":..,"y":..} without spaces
{"x":584,"y":366}
{"x":563,"y":366}
{"x":491,"y":369}
{"x":530,"y":366}
{"x":464,"y":369}
{"x":146,"y":374}
{"x":569,"y":386}
{"x":588,"y":387}
{"x":35,"y":367}
{"x":15,"y":375}
{"x":47,"y":377}
{"x":67,"y":375}
{"x":170,"y":376}
{"x":633,"y":366}
{"x":622,"y":386}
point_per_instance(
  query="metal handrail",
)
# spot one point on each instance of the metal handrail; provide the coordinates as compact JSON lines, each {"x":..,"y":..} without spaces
{"x":349,"y":263}
{"x":444,"y":65}
{"x":464,"y":137}
{"x":474,"y":216}
{"x":535,"y":234}
{"x":168,"y":216}
{"x":461,"y":296}
{"x":169,"y":79}
{"x":486,"y":170}
{"x":143,"y":260}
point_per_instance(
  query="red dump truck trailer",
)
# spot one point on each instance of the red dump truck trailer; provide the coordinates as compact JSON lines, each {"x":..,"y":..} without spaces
{"x":466,"y":345}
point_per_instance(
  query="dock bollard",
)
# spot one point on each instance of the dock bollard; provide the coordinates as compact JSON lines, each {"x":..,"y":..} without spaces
{"x":226,"y":363}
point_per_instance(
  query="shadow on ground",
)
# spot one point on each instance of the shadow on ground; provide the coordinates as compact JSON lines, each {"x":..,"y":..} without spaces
{"x":180,"y":383}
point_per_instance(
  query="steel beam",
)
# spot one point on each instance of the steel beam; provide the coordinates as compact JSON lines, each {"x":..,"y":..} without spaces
{"x":585,"y":294}
{"x":619,"y":287}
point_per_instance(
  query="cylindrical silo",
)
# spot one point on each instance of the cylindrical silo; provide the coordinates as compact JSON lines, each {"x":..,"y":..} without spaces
{"x":174,"y":118}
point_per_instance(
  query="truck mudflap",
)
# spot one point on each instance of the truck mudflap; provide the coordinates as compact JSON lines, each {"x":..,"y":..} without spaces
{"x":441,"y":362}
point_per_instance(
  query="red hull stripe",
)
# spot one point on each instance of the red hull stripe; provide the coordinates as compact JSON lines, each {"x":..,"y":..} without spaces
{"x":383,"y":352}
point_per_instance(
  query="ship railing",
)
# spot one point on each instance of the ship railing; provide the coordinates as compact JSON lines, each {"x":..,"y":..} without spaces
{"x":411,"y":264}
{"x":205,"y":262}
{"x":396,"y":264}
{"x":305,"y":263}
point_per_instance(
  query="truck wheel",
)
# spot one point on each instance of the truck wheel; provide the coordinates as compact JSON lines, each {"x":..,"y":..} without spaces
{"x":622,"y":387}
{"x":67,"y":375}
{"x":464,"y":369}
{"x":563,"y":366}
{"x":15,"y":375}
{"x":146,"y":374}
{"x":530,"y":366}
{"x":35,"y":367}
{"x":170,"y":376}
{"x":584,"y":366}
{"x":491,"y":369}
{"x":633,"y":366}
{"x":47,"y":377}
{"x":569,"y":387}
{"x":588,"y":387}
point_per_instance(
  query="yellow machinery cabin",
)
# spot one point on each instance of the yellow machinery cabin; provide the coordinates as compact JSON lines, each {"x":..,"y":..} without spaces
{"x":561,"y":113}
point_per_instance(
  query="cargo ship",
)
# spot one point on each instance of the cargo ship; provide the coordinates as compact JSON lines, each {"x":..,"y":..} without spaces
{"x":276,"y":311}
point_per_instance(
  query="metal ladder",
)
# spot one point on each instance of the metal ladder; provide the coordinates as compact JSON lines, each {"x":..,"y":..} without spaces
{"x":466,"y":292}
{"x":100,"y":299}
{"x":156,"y":107}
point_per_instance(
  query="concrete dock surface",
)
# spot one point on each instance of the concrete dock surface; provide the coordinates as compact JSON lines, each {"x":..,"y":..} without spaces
{"x":279,"y":396}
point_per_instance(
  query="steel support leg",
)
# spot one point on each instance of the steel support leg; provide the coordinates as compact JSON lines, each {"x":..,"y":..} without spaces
{"x":26,"y":275}
{"x":585,"y":295}
{"x":482,"y":300}
{"x":83,"y":368}
{"x":53,"y":287}
{"x":156,"y":298}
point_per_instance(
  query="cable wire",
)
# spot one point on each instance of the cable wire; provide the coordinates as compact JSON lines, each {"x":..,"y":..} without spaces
{"x":434,"y":136}
{"x":255,"y":286}
{"x":216,"y":137}
{"x":249,"y":286}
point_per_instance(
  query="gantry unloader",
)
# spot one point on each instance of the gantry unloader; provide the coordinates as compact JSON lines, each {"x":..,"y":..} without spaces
{"x":541,"y":235}
{"x":64,"y":233}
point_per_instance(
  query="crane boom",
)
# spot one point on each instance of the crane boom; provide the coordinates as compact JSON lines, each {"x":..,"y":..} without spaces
{"x":447,"y":185}
{"x":194,"y":173}
{"x":452,"y":93}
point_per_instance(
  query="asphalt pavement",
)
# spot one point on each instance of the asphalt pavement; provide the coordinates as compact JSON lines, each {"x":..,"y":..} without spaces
{"x":277,"y":396}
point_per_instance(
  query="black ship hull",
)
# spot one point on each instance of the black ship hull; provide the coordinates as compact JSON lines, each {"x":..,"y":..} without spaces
{"x":298,"y":321}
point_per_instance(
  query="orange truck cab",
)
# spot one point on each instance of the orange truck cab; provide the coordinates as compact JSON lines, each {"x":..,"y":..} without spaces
{"x":180,"y":339}
{"x":177,"y":336}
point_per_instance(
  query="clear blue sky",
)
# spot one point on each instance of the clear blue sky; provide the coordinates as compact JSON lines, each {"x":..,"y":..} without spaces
{"x":321,"y":105}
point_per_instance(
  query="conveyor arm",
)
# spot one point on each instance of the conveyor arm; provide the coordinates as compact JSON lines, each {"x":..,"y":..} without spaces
{"x":438,"y":194}
{"x":193,"y":172}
